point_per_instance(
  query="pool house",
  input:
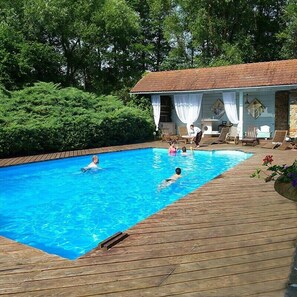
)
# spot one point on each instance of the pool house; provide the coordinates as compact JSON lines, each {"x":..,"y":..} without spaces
{"x":263,"y":95}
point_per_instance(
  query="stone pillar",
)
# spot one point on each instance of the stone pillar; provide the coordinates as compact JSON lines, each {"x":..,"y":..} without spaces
{"x":293,"y":113}
{"x":282,"y":110}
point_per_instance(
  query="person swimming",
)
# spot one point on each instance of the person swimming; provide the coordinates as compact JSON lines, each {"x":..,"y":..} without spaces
{"x":93,"y":165}
{"x":175,"y":176}
{"x":168,"y":181}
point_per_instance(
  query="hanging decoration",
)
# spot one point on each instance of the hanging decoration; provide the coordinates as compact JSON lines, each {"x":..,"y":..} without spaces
{"x":255,"y":108}
{"x":218,"y":108}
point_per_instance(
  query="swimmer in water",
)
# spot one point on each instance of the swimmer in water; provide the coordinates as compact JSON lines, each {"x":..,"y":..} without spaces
{"x":184,"y":151}
{"x":92,"y":165}
{"x":168,"y":181}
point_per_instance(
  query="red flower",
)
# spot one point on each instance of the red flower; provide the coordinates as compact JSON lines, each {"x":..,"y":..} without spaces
{"x":285,"y":173}
{"x":267,"y":160}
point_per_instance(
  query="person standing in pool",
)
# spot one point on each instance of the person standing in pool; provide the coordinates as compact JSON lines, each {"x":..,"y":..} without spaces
{"x":172,"y":149}
{"x":92,"y":165}
{"x":183,"y":151}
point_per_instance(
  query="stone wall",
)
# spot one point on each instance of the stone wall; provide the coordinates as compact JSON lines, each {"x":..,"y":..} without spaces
{"x":281,"y":110}
{"x":293,"y":114}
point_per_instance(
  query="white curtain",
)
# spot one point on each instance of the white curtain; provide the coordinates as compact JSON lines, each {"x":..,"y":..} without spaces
{"x":188,"y":107}
{"x":156,"y":102}
{"x":230,"y":107}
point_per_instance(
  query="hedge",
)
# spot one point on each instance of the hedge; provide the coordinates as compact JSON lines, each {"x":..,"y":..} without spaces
{"x":45,"y":118}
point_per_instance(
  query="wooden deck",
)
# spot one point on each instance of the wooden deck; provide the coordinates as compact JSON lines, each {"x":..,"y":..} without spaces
{"x":233,"y":237}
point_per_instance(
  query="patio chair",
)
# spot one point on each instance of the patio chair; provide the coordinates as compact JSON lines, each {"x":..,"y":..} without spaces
{"x":218,"y":140}
{"x":263,"y":132}
{"x":183,"y":135}
{"x":250,"y":136}
{"x":165,"y":135}
{"x":278,"y":140}
{"x":232,"y":135}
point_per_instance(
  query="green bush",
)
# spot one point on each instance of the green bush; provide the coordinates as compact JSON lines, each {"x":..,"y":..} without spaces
{"x":45,"y":118}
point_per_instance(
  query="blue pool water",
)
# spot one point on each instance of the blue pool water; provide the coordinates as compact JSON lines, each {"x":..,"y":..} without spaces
{"x":55,"y":207}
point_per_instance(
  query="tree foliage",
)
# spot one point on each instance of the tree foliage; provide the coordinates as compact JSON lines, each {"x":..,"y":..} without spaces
{"x":104,"y":46}
{"x":288,"y":36}
{"x":52,"y":50}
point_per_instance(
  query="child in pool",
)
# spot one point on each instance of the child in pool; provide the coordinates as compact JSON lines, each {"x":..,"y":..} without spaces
{"x":184,"y":151}
{"x":175,"y":176}
{"x":172,"y":149}
{"x":168,"y":181}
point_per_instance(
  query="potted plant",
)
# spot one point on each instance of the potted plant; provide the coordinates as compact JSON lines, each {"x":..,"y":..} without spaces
{"x":284,"y":177}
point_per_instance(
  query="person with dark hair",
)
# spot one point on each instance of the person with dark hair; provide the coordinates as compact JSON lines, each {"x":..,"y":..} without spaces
{"x":175,"y":176}
{"x":168,"y":181}
{"x":196,"y":133}
{"x":183,"y":151}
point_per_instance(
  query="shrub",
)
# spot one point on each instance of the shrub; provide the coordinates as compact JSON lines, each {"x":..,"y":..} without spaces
{"x":45,"y":118}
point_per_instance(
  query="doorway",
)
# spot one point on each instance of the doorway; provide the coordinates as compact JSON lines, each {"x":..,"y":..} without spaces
{"x":166,"y":106}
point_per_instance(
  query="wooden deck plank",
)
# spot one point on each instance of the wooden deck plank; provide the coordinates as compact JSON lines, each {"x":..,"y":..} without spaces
{"x":223,"y":263}
{"x":216,"y":241}
{"x":84,"y":267}
{"x":153,"y":286}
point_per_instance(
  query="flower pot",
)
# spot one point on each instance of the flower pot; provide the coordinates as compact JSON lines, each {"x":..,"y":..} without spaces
{"x":286,"y":189}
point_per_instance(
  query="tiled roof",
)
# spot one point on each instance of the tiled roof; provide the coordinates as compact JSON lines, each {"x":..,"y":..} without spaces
{"x":261,"y":74}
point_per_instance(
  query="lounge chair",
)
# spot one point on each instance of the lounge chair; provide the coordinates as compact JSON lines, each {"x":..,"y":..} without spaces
{"x":278,"y":140}
{"x":232,"y":135}
{"x":219,"y":140}
{"x":167,"y":136}
{"x":222,"y":137}
{"x":183,"y":135}
{"x":250,"y":136}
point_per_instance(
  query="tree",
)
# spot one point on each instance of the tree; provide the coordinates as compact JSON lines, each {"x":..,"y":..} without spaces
{"x":179,"y":36}
{"x":266,"y":26}
{"x":64,"y":28}
{"x":288,"y":36}
{"x":119,"y":30}
{"x":213,"y":32}
{"x":13,"y":66}
{"x":23,"y":60}
{"x":152,"y":46}
{"x":105,"y":46}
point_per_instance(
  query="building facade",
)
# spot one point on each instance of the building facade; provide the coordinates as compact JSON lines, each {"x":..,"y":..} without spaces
{"x":256,"y":94}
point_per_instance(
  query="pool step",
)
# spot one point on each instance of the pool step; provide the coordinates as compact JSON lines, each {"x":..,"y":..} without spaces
{"x":112,"y":240}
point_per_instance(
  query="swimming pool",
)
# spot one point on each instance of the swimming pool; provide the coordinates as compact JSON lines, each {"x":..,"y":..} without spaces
{"x":54,"y":207}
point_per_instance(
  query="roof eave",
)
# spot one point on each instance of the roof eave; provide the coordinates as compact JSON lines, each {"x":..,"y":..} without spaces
{"x":288,"y":86}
